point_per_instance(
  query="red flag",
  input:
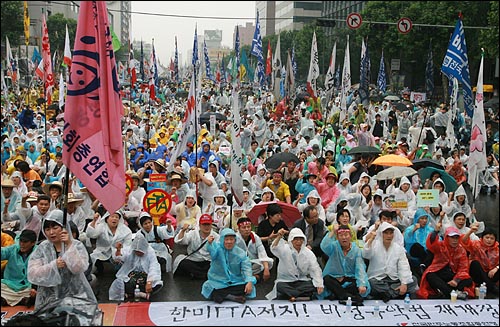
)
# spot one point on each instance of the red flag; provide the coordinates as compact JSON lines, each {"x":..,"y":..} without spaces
{"x":269,"y":59}
{"x":92,"y":142}
{"x":152,"y":93}
{"x":48,"y":77}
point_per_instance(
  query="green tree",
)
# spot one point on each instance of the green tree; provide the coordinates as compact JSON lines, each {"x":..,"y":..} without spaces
{"x":56,"y":24}
{"x":13,"y":26}
{"x":489,"y":38}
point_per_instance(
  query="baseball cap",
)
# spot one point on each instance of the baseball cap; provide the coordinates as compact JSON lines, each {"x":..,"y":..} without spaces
{"x":452,"y":231}
{"x":206,"y":219}
{"x":27,"y":235}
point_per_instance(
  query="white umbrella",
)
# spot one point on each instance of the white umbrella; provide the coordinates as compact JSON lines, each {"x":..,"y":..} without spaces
{"x":395,"y":172}
{"x":392,"y":98}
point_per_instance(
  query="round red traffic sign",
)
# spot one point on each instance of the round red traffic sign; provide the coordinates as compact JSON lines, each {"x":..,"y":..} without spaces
{"x":404,"y":25}
{"x":129,"y":184}
{"x":157,"y":202}
{"x":354,"y":20}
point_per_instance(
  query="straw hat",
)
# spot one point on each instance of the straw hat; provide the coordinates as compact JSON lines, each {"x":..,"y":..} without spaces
{"x":8,"y":183}
{"x":47,"y":187}
{"x":175,"y":175}
{"x":73,"y":199}
{"x":32,"y":196}
{"x":161,"y":162}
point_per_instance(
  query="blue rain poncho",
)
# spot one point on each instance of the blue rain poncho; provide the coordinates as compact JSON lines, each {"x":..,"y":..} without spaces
{"x":228,"y":267}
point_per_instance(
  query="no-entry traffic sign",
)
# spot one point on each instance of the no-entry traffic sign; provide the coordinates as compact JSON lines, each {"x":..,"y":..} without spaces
{"x":354,"y":20}
{"x":404,"y":25}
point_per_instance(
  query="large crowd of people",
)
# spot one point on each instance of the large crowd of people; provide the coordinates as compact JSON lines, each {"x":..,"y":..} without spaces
{"x":350,"y":239}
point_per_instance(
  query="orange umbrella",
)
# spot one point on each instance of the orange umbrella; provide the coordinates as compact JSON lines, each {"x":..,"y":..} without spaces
{"x":392,"y":160}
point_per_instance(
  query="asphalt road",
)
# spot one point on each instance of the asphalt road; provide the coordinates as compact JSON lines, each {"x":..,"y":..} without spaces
{"x":183,"y":288}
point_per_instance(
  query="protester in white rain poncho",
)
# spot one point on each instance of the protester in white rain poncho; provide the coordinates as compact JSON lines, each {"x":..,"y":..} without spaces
{"x":156,"y":236}
{"x":109,"y":231}
{"x":58,"y":264}
{"x":139,"y":267}
{"x":299,"y":273}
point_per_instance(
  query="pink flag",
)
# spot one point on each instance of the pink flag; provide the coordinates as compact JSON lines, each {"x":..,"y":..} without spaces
{"x":48,"y":77}
{"x":92,"y":142}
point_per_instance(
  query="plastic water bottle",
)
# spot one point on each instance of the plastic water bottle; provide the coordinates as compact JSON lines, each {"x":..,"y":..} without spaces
{"x":453,"y":296}
{"x":348,"y":305}
{"x":407,"y":301}
{"x":137,"y":293}
{"x":376,"y":310}
{"x":482,"y":291}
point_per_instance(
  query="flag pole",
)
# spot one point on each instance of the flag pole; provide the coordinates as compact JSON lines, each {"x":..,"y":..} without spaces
{"x":422,"y":129}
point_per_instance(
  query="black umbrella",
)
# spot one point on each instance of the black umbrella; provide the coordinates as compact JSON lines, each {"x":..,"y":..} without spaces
{"x":205,"y":117}
{"x":400,"y":106}
{"x":181,"y":94}
{"x":364,"y":149}
{"x":275,"y":160}
{"x":492,"y":103}
{"x":426,"y":162}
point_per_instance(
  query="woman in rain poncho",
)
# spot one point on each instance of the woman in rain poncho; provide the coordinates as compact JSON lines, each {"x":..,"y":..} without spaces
{"x":110,"y":230}
{"x":230,"y":275}
{"x":139,"y":267}
{"x":58,"y":264}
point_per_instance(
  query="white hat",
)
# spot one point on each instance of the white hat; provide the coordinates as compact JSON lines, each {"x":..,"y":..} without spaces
{"x":385,"y":226}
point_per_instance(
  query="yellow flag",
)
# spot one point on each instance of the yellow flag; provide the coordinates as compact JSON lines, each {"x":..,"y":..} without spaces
{"x":26,"y":23}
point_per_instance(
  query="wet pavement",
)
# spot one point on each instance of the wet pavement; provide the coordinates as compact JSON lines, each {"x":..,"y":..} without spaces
{"x":183,"y":288}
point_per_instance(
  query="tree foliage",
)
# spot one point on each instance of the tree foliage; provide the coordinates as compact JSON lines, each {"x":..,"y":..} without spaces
{"x":56,"y":24}
{"x":12,"y":23}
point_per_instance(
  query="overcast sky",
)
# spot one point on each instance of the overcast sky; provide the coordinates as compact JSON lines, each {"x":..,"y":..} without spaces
{"x":164,"y":28}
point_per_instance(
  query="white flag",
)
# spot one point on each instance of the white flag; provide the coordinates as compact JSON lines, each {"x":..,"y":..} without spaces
{"x":277,"y":58}
{"x":330,"y":75}
{"x":346,"y":82}
{"x":61,"y":91}
{"x":313,"y":68}
{"x":477,"y":149}
{"x":188,"y":125}
{"x":236,"y":157}
{"x":67,"y":50}
{"x":450,"y":130}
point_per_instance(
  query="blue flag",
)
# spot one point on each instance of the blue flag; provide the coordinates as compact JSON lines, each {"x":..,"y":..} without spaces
{"x":176,"y":63}
{"x":294,"y":64}
{"x":208,"y":70}
{"x":382,"y":79}
{"x":141,"y":64}
{"x":456,"y":64}
{"x":337,"y":77}
{"x":154,"y":68}
{"x":364,"y":77}
{"x":36,"y":58}
{"x":257,"y":51}
{"x":429,"y":74}
{"x":223,"y":72}
{"x":195,"y":47}
{"x":237,"y":51}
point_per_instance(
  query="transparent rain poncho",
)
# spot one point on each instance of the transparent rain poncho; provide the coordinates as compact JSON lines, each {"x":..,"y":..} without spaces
{"x":56,"y":284}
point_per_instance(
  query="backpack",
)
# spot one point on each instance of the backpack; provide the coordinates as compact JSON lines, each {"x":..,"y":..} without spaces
{"x":429,"y":137}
